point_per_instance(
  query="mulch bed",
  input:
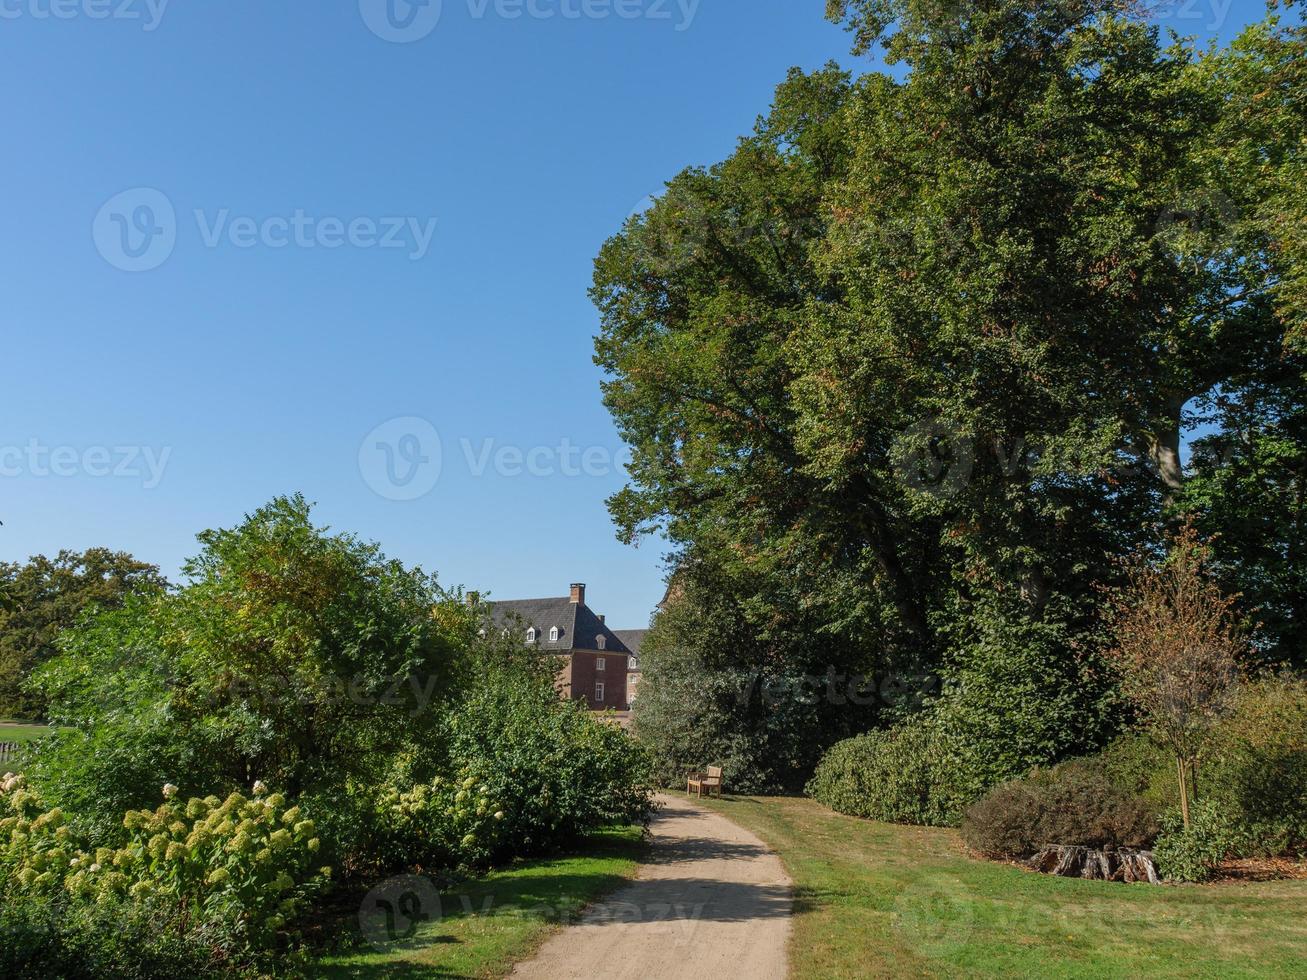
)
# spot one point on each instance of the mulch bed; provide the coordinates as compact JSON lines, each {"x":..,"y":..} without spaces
{"x":1260,"y":869}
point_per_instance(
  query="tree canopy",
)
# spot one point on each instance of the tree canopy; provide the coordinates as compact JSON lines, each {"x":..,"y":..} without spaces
{"x":46,"y":595}
{"x":936,"y":342}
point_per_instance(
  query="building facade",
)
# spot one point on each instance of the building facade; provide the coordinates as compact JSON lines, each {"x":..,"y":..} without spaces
{"x":596,"y":660}
{"x":632,"y":640}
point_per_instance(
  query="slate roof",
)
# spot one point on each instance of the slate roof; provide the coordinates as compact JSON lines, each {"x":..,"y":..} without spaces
{"x":578,"y":627}
{"x":632,"y":639}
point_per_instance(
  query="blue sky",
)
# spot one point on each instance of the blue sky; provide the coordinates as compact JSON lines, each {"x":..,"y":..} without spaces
{"x":255,"y":247}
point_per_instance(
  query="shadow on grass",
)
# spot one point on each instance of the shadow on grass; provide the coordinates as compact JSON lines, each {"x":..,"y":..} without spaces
{"x":485,"y":922}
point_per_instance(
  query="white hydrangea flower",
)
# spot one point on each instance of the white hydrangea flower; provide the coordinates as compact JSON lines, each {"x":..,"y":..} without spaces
{"x":260,"y":787}
{"x":169,"y":791}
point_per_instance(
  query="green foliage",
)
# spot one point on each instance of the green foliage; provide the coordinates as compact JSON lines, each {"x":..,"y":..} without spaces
{"x":1013,"y":699}
{"x":728,"y":682}
{"x":45,"y":596}
{"x":906,"y":774}
{"x":1258,"y":772}
{"x":1017,"y":695}
{"x":293,"y":655}
{"x":441,"y":822}
{"x":1252,"y":793}
{"x":60,"y":937}
{"x":1192,"y":853}
{"x":310,"y":660}
{"x":553,"y":769}
{"x":930,"y":343}
{"x":227,"y":874}
{"x":1075,"y":803}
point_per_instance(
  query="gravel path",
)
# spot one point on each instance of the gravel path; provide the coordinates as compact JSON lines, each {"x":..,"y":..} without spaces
{"x":712,"y":901}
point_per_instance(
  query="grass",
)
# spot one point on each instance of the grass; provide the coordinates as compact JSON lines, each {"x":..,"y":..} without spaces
{"x":21,"y":733}
{"x":492,"y":922}
{"x":881,"y":900}
{"x":12,"y":731}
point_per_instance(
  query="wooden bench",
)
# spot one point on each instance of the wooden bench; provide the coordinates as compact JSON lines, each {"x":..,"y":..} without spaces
{"x":697,"y":782}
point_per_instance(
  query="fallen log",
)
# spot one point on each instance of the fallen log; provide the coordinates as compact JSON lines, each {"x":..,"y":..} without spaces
{"x":1108,"y":864}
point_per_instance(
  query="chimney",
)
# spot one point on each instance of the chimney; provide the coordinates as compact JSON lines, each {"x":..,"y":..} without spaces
{"x":578,"y":592}
{"x":601,"y":618}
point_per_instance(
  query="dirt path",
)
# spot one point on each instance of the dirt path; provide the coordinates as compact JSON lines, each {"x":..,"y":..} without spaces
{"x":712,"y":901}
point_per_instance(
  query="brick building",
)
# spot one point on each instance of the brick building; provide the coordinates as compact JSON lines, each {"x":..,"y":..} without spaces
{"x":596,"y":659}
{"x":631,"y":639}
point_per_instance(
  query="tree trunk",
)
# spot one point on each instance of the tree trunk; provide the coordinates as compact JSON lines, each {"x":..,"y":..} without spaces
{"x":1165,"y":450}
{"x":907,"y":599}
{"x":1184,"y":791}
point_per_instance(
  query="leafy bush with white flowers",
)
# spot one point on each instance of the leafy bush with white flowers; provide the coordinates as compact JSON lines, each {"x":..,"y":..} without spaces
{"x":233,"y":874}
{"x":444,"y":822}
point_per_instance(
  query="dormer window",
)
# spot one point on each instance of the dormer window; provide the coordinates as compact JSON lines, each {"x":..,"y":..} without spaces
{"x":553,"y":634}
{"x":531,"y":635}
{"x":601,"y":641}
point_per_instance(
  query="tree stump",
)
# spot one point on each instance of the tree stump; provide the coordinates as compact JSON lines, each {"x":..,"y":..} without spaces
{"x":1108,"y":864}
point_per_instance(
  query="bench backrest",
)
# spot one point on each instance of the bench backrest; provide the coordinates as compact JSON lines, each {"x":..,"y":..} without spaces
{"x":714,"y":772}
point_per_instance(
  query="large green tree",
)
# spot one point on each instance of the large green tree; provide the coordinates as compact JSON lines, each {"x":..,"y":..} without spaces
{"x":291,"y":654}
{"x":934,"y":341}
{"x":43,"y":596}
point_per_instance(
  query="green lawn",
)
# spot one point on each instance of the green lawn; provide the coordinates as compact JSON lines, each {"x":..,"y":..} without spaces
{"x":490,"y":923}
{"x":877,"y":900}
{"x":20,"y":732}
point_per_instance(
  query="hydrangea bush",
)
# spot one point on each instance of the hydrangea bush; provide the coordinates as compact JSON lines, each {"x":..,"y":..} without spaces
{"x":445,"y":822}
{"x":239,"y":869}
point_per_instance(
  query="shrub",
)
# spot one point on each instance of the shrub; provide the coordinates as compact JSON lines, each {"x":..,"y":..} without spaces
{"x":1191,"y":853}
{"x":1075,"y":803}
{"x":99,"y":774}
{"x":57,"y":937}
{"x":1258,"y":768}
{"x":292,"y":654}
{"x":1018,"y":695}
{"x":904,"y":774}
{"x":1136,"y":764}
{"x":1015,"y":697}
{"x":442,"y":822}
{"x":555,"y":770}
{"x":230,"y":874}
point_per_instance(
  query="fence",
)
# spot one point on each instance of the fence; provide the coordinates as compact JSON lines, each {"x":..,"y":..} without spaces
{"x":8,"y":750}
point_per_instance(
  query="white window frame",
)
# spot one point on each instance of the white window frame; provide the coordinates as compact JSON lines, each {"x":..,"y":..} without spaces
{"x":599,"y":692}
{"x":553,"y":634}
{"x":601,"y":641}
{"x":531,"y":635}
{"x":601,"y":663}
